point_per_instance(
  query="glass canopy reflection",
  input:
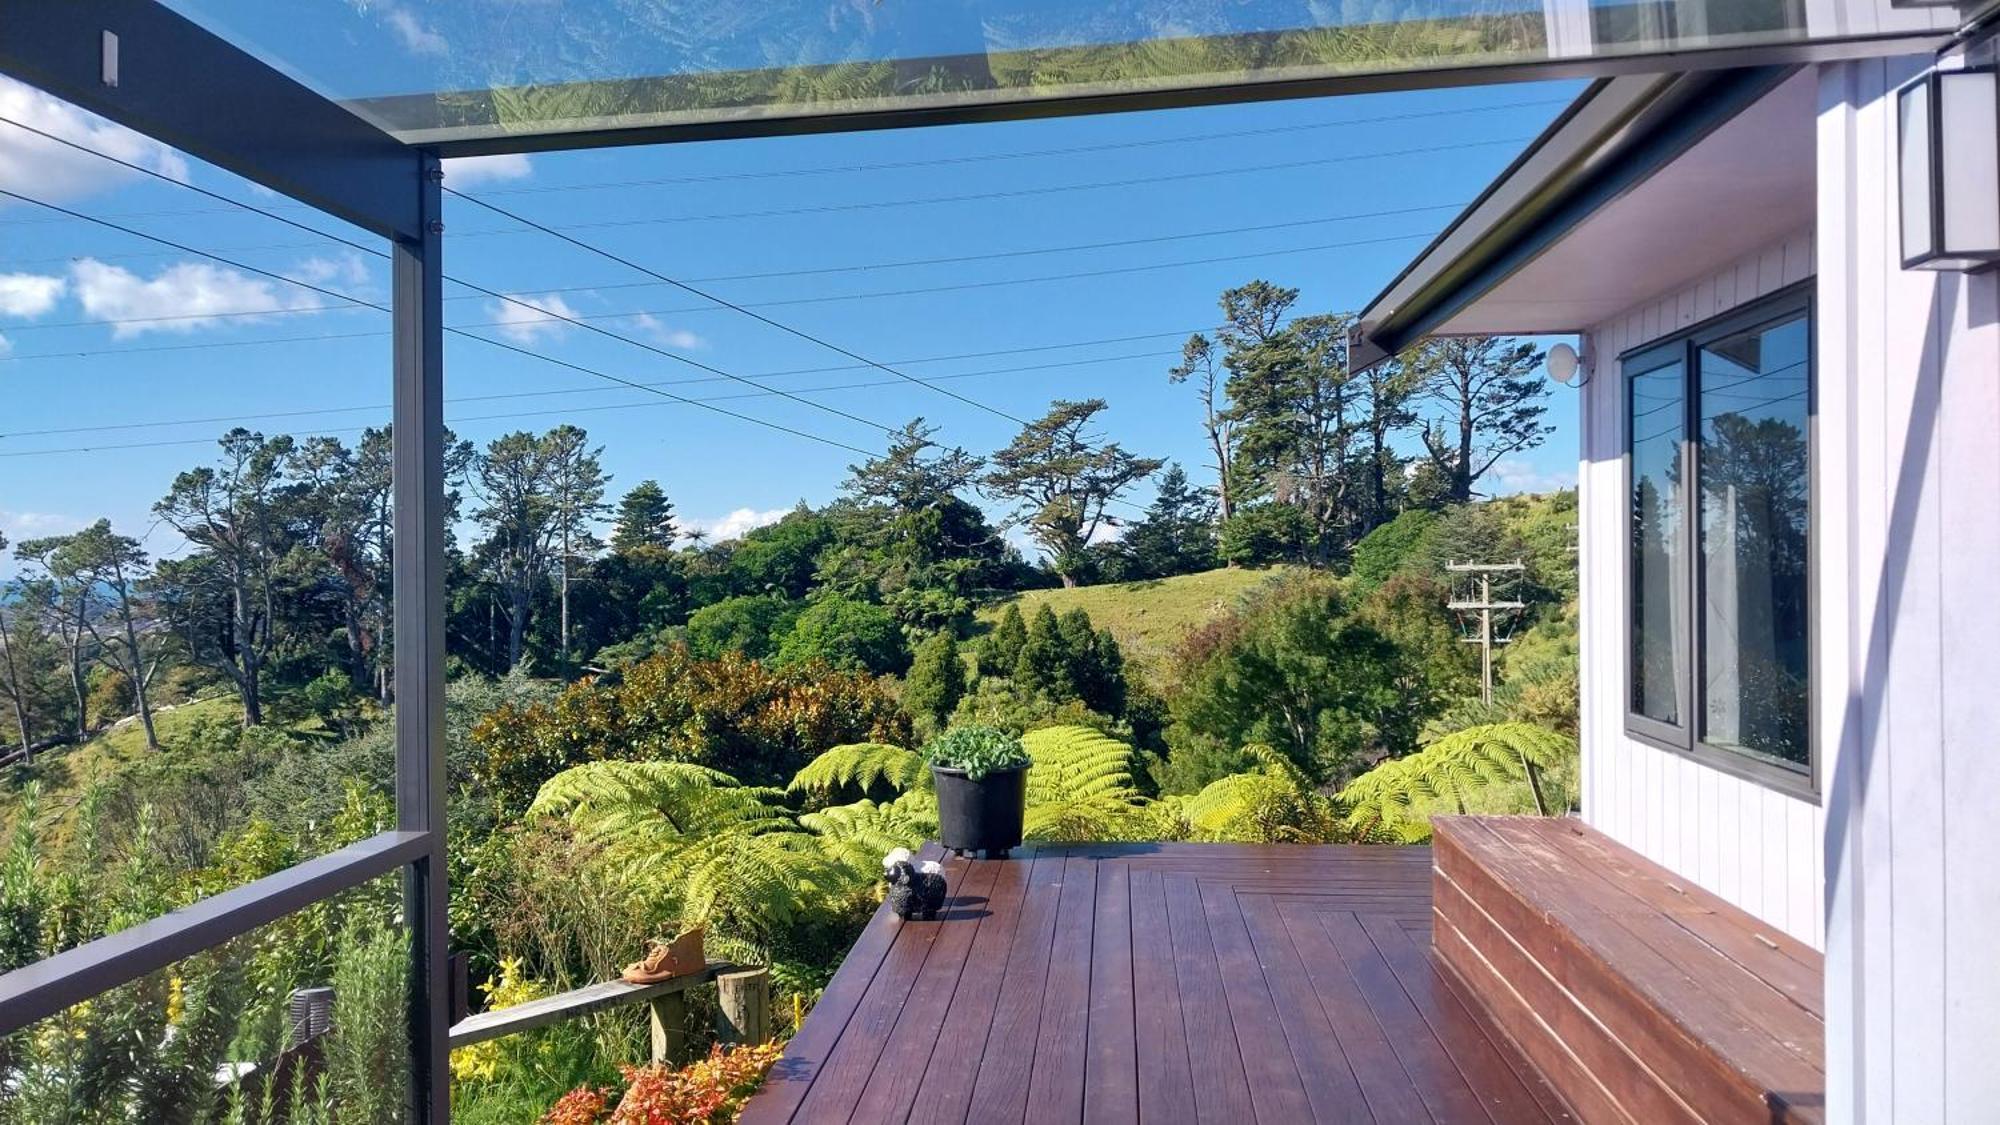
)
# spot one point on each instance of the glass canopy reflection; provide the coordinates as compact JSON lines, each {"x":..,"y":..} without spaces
{"x":487,"y":70}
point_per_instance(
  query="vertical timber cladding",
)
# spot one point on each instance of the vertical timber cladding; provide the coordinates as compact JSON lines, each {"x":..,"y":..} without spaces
{"x":1756,"y":847}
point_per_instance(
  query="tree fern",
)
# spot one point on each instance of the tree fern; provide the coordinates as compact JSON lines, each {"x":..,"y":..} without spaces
{"x":688,"y":840}
{"x":1275,"y":804}
{"x":1456,"y":772}
{"x":861,"y":765}
{"x":1081,"y":789}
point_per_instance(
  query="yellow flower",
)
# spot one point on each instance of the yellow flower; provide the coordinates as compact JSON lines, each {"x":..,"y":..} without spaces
{"x":176,"y":1000}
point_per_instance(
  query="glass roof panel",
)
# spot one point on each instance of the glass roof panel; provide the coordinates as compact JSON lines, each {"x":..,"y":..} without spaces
{"x":488,"y":70}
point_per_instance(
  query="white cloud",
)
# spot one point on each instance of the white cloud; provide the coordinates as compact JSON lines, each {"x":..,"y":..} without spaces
{"x":23,"y":524}
{"x":38,"y":167}
{"x":471,"y":171}
{"x":523,"y":324}
{"x":29,"y":294}
{"x":6,"y":345}
{"x":735,"y":524}
{"x":345,"y":268}
{"x":1512,"y":475}
{"x":666,"y":334}
{"x":416,"y":38}
{"x":180,"y":298}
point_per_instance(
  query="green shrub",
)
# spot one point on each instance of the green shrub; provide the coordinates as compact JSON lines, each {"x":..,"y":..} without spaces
{"x":977,"y":750}
{"x":751,"y":625}
{"x":1383,"y":551}
{"x":849,"y":635}
{"x":1000,"y":649}
{"x":936,"y":682}
{"x":1263,"y":534}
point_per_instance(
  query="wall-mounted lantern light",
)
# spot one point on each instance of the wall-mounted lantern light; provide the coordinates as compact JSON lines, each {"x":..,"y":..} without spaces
{"x":1565,"y":366}
{"x":1948,"y":169}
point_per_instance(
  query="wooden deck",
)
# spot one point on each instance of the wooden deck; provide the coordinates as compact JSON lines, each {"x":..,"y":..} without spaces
{"x":1156,"y":983}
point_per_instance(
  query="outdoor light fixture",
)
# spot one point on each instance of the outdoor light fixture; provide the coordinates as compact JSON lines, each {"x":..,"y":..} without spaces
{"x":1948,"y":169}
{"x":1565,"y":366}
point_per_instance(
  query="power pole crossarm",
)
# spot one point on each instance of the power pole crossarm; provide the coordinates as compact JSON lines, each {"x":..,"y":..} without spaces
{"x":1485,"y":606}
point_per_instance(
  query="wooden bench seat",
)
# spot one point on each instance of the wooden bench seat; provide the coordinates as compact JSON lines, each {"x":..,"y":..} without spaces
{"x":1638,"y":995}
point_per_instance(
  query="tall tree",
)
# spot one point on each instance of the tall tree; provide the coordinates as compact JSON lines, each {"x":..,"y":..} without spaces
{"x":1201,"y":364}
{"x":348,"y":496}
{"x":116,"y":564}
{"x":645,"y":519}
{"x":1486,"y":401}
{"x":576,"y":488}
{"x":907,"y":535}
{"x":915,"y":473}
{"x":12,"y":670}
{"x":69,"y":595}
{"x":1064,"y":479}
{"x":238,"y":516}
{"x":1383,"y":393}
{"x":1297,"y":421}
{"x":518,"y":512}
{"x":1178,"y":534}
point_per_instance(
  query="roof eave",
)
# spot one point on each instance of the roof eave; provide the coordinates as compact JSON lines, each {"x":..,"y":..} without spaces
{"x":1616,"y":133}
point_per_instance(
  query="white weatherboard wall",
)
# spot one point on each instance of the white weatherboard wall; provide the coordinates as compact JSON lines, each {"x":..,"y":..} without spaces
{"x":1909,"y":444}
{"x":1752,"y":845}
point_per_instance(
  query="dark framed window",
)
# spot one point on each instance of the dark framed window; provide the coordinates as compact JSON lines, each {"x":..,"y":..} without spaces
{"x":1719,"y":555}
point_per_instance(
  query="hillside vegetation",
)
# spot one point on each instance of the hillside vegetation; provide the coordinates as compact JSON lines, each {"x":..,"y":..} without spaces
{"x":1150,"y":617}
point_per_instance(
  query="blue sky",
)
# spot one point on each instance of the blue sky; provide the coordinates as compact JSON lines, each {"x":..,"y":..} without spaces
{"x":145,"y":396}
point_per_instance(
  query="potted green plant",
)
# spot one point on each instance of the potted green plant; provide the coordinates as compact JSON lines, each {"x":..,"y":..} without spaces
{"x":981,"y":776}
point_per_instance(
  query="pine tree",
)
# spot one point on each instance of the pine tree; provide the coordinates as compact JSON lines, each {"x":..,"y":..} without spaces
{"x":645,"y":519}
{"x":936,"y":681}
{"x":1044,"y":664}
{"x":1000,"y":650}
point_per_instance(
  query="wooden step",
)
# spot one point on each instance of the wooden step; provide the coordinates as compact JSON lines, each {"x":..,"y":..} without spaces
{"x":1638,"y":995}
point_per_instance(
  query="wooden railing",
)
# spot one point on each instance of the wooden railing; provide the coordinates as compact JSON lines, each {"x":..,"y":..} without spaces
{"x":743,"y":1011}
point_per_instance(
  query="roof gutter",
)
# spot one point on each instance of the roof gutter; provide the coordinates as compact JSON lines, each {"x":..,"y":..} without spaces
{"x":1616,"y":134}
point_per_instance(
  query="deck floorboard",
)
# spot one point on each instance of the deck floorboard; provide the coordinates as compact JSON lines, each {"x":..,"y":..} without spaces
{"x":1157,"y":984}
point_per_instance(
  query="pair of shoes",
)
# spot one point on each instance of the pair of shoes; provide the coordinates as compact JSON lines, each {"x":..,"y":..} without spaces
{"x":665,"y":960}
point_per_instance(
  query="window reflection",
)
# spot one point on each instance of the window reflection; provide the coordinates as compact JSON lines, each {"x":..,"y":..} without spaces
{"x":1657,"y":420}
{"x":1754,"y":545}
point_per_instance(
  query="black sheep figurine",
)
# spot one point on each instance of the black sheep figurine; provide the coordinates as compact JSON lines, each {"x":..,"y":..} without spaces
{"x":915,"y":890}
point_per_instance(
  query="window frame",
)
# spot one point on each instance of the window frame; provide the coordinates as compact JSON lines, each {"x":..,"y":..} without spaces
{"x":1684,"y":347}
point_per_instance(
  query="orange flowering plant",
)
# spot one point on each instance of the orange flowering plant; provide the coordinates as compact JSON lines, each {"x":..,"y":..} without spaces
{"x":709,"y":1092}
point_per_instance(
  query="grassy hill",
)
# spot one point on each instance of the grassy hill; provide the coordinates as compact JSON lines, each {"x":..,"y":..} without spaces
{"x":1150,"y":617}
{"x":65,"y":770}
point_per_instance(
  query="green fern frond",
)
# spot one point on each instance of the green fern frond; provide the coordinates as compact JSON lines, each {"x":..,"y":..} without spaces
{"x":1078,"y":762}
{"x":1454,"y":771}
{"x":860,"y":765}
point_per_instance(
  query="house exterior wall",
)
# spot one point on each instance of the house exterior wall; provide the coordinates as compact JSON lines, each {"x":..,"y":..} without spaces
{"x":1753,"y":845}
{"x":1909,"y":446}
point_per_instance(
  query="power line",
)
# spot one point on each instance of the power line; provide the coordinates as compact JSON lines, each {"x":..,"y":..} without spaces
{"x":226,"y":419}
{"x":318,"y":337}
{"x":540,"y":311}
{"x":995,"y":283}
{"x":728,"y":304}
{"x":566,"y":411}
{"x":358,"y":302}
{"x":922,"y":201}
{"x":855,"y":267}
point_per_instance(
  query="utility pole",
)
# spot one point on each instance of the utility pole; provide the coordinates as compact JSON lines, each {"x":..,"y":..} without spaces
{"x":1485,"y":607}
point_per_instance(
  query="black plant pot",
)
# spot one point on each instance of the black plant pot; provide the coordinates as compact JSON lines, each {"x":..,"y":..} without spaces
{"x":983,"y":815}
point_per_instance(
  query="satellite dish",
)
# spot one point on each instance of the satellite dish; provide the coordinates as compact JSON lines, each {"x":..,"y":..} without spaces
{"x":1565,"y":366}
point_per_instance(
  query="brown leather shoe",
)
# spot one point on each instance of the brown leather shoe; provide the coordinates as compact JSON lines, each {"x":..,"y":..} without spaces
{"x":666,"y":960}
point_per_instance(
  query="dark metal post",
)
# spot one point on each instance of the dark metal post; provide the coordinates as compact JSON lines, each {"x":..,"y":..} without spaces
{"x":418,"y":582}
